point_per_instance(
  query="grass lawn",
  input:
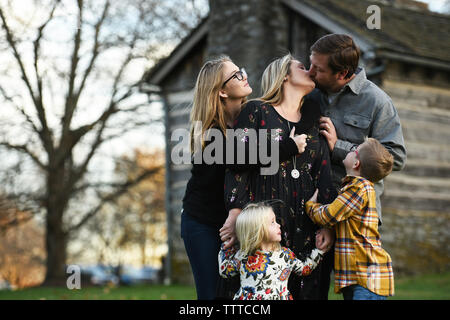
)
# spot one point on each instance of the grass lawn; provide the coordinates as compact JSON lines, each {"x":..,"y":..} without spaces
{"x":144,"y":292}
{"x":425,"y":287}
{"x":433,"y":286}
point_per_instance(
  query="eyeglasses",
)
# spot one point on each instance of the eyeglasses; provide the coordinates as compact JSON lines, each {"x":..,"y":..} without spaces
{"x":240,"y":75}
{"x":354,"y":149}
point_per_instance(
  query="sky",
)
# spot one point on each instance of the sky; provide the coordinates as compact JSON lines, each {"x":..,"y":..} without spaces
{"x":435,"y":5}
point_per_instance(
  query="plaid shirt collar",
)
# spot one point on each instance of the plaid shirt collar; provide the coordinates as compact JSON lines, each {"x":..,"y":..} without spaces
{"x":352,"y":179}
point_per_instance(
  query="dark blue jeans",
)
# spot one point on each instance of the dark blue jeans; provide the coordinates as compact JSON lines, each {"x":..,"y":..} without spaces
{"x":357,"y":292}
{"x":202,"y":243}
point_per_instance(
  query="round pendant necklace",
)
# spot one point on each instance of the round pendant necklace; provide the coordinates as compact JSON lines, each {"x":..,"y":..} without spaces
{"x":294,"y":173}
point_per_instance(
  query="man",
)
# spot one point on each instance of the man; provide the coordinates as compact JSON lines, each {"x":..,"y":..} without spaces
{"x":352,"y":107}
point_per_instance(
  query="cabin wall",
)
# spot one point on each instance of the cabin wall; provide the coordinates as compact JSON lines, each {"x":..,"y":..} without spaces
{"x":416,"y":203}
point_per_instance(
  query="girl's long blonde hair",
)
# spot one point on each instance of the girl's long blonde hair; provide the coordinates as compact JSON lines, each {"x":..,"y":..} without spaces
{"x":252,"y":227}
{"x":273,"y":79}
{"x":207,"y":106}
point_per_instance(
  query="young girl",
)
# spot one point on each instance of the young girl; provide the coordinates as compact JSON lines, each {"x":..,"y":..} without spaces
{"x":264,"y":266}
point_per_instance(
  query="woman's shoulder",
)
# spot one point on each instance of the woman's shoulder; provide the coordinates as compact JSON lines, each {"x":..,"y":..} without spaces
{"x":251,"y":113}
{"x":254,"y":105}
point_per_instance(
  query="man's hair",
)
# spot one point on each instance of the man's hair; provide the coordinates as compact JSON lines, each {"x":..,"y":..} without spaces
{"x":375,"y":161}
{"x":342,"y":50}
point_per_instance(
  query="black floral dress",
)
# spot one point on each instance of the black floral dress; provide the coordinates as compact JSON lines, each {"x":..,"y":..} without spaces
{"x":248,"y":185}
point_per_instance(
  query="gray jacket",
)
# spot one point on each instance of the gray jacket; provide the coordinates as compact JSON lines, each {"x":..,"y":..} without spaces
{"x":360,"y":110}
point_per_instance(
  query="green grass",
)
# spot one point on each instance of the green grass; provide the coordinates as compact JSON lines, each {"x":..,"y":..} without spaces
{"x":426,"y":287}
{"x":153,"y":292}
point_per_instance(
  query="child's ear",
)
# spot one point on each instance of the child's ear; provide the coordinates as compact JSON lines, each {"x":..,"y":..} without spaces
{"x":223,"y":94}
{"x":356,"y":164}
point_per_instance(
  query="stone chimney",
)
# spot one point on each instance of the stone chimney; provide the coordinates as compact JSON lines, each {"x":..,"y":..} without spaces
{"x":251,"y":32}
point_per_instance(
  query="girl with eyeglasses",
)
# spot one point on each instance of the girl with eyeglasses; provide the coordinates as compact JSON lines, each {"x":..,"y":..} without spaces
{"x":219,"y":92}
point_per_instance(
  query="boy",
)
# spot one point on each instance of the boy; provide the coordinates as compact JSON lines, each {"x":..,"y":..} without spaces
{"x":363,"y":270}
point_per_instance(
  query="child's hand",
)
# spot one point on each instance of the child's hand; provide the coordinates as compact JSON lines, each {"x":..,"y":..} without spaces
{"x":314,"y":197}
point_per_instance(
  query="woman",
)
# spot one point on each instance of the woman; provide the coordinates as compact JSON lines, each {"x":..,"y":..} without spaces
{"x":219,"y":92}
{"x":282,"y":107}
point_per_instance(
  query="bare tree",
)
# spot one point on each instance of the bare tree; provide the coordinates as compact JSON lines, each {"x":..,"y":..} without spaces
{"x":71,"y":86}
{"x":135,"y":221}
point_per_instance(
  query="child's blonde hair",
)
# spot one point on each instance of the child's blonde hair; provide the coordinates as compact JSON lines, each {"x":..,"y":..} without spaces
{"x":375,"y":160}
{"x":252,"y":227}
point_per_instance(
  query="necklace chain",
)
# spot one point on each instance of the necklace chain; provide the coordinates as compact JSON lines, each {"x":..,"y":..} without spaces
{"x":294,"y":173}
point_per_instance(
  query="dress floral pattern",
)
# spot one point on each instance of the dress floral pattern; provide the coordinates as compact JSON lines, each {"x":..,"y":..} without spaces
{"x":264,"y":274}
{"x":241,"y":187}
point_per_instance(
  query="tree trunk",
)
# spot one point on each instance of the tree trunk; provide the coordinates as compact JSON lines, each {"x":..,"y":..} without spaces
{"x":143,"y":237}
{"x":56,"y":238}
{"x":55,"y":243}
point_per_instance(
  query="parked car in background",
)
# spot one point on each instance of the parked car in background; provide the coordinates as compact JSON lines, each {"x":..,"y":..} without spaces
{"x":131,"y":275}
{"x":5,"y":285}
{"x":99,"y":275}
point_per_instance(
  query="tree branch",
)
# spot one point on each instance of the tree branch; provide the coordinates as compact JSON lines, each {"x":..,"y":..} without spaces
{"x":69,"y":137}
{"x":20,"y":109}
{"x":45,"y":134}
{"x":70,"y":105}
{"x":113,"y":195}
{"x":23,"y":148}
{"x":37,"y":44}
{"x":95,"y":49}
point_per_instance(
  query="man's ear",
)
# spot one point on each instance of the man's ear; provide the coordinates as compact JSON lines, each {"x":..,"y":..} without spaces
{"x":223,"y":94}
{"x":342,"y":74}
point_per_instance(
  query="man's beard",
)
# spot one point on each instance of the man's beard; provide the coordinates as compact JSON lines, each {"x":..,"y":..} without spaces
{"x":320,"y":87}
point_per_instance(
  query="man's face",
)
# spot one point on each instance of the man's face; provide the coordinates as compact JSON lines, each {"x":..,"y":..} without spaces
{"x":322,"y":74}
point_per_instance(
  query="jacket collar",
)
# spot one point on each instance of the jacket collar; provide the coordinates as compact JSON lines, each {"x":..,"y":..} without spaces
{"x":357,"y":82}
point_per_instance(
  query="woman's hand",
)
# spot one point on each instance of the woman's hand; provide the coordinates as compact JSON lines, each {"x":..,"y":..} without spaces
{"x":228,"y":230}
{"x":299,"y":140}
{"x":324,"y":239}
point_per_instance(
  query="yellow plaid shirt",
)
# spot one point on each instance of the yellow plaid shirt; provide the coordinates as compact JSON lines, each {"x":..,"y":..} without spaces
{"x":358,"y":256}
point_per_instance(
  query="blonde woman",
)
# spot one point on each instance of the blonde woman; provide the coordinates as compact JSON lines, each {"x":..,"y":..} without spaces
{"x":262,"y":264}
{"x":219,"y":92}
{"x":282,"y":108}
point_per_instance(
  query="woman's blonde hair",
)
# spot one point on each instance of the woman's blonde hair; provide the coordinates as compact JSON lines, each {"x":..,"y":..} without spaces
{"x":273,"y":79}
{"x":207,"y":106}
{"x":252,"y":227}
